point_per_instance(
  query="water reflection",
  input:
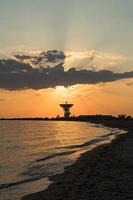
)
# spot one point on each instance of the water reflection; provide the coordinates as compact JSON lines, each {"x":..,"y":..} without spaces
{"x":33,"y":150}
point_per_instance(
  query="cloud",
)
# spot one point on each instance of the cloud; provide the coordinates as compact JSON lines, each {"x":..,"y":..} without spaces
{"x":44,"y":58}
{"x":80,"y":60}
{"x":15,"y":75}
{"x":13,"y":66}
{"x":96,"y":60}
{"x":90,"y":60}
{"x":23,"y":57}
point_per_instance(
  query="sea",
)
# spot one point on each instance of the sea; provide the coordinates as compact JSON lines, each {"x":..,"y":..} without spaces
{"x":33,"y":151}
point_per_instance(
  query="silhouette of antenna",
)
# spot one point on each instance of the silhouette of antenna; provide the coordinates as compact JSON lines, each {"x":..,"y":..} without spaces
{"x":66,"y":108}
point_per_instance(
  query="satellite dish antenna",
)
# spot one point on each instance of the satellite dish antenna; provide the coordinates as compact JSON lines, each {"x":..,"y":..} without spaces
{"x":66,"y":108}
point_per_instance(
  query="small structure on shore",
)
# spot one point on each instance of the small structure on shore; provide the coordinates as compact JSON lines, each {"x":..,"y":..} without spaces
{"x":66,"y":108}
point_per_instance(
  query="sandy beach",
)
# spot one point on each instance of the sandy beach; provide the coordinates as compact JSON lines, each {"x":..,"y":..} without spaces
{"x":104,"y":173}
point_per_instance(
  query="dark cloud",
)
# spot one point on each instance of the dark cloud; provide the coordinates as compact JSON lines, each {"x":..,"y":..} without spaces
{"x":15,"y":75}
{"x":46,"y":57}
{"x":24,"y":57}
{"x":53,"y":56}
{"x":13,"y":66}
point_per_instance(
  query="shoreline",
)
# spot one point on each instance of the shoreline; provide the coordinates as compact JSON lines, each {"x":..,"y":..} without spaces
{"x":105,"y":172}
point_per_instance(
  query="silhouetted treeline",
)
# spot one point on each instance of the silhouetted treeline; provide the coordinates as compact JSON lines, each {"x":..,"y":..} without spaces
{"x":78,"y":118}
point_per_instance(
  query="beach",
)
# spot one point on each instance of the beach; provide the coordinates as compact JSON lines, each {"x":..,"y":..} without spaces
{"x":104,"y":173}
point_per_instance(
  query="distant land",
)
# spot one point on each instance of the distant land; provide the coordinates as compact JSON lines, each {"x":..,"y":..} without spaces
{"x":77,"y":118}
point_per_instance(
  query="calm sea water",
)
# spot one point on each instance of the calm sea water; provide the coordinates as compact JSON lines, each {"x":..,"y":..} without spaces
{"x":32,"y":151}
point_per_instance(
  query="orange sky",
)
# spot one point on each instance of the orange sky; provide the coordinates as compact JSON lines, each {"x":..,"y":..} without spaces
{"x":108,"y":98}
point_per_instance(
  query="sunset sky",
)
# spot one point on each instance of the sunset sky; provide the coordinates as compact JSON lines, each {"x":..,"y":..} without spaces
{"x":52,"y":51}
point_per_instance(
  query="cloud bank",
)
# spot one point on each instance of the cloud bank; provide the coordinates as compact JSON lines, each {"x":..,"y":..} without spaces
{"x":16,"y":75}
{"x":90,"y":60}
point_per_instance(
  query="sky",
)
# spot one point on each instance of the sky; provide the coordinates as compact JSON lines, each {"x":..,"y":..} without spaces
{"x":104,"y":25}
{"x":88,"y":36}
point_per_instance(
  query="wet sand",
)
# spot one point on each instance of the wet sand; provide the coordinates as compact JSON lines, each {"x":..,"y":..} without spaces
{"x":104,"y":173}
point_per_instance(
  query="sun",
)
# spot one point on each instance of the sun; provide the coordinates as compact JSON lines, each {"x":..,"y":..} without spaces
{"x":60,"y":89}
{"x":65,"y":93}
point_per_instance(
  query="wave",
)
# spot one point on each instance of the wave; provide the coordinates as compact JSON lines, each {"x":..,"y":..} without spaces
{"x":54,"y":155}
{"x":12,"y":184}
{"x":91,"y":142}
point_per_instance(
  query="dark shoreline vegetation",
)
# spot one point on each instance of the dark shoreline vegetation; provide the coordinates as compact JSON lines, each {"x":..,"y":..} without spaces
{"x":89,"y":118}
{"x":106,"y":172}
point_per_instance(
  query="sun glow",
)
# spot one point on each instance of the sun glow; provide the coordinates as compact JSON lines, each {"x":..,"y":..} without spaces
{"x":60,"y":89}
{"x":65,"y":93}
